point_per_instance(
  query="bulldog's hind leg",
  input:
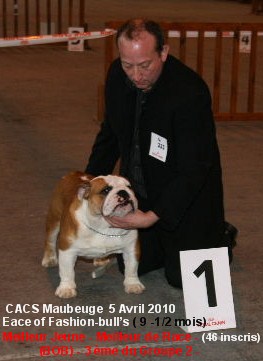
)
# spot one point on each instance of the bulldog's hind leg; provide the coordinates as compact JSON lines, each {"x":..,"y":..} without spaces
{"x":102,"y":264}
{"x":67,"y":286}
{"x":50,"y":258}
{"x":131,"y":282}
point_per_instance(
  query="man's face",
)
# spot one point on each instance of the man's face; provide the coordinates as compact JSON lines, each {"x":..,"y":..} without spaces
{"x":140,"y":60}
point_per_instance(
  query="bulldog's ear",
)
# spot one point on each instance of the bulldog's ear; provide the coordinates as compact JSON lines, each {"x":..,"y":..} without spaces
{"x":83,"y":191}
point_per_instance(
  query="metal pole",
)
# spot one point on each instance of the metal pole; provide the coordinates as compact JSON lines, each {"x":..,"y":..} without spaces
{"x":26,"y":17}
{"x":15,"y":8}
{"x":37,"y":18}
{"x":59,"y":17}
{"x":48,"y":17}
{"x":4,"y":19}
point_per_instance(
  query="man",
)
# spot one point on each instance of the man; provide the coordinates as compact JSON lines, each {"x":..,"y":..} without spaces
{"x":159,"y":123}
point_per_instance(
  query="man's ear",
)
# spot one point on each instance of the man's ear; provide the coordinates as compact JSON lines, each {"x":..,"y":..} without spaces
{"x":83,"y":191}
{"x":164,"y":52}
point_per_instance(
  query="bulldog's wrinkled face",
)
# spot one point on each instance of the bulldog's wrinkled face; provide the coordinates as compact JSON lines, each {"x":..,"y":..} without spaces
{"x":111,"y":196}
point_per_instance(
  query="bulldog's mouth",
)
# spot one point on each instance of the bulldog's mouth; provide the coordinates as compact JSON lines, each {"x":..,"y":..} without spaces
{"x":124,"y":204}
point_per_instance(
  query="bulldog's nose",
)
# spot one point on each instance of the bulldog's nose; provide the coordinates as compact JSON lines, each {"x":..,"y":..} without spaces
{"x":123,"y":194}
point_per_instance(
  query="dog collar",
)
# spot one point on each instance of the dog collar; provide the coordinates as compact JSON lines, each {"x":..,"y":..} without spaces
{"x":105,"y":234}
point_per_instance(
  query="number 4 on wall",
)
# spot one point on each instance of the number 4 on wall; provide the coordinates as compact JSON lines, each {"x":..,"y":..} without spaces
{"x":207,"y":289}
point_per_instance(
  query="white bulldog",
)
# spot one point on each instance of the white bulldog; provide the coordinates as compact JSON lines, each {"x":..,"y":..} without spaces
{"x":76,"y":219}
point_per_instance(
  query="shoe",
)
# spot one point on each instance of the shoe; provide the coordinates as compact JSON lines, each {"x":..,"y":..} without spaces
{"x":231,"y":233}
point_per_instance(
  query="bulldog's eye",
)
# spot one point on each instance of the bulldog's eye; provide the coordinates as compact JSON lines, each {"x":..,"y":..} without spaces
{"x":106,"y":190}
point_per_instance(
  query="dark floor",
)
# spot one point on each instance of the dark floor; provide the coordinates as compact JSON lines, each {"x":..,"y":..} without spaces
{"x":47,"y":125}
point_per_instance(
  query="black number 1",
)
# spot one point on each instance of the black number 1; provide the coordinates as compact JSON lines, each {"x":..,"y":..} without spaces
{"x":207,"y":268}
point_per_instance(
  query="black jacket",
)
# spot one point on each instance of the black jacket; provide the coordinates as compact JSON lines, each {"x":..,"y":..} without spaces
{"x":185,"y":191}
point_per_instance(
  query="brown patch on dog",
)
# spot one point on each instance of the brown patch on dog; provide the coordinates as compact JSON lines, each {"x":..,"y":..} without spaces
{"x":63,"y":206}
{"x":96,"y":198}
{"x":69,"y":225}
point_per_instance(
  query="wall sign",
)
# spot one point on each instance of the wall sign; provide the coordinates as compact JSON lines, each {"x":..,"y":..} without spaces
{"x":245,"y":42}
{"x":78,"y":44}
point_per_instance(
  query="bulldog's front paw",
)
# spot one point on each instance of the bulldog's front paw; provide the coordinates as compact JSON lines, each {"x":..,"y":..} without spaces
{"x":136,"y":288}
{"x":49,"y":260}
{"x":66,"y":291}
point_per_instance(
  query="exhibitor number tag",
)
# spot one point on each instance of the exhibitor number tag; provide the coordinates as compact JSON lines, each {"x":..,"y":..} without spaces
{"x":159,"y":147}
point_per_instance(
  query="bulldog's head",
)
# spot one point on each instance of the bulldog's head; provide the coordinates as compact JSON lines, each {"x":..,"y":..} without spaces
{"x":110,"y":196}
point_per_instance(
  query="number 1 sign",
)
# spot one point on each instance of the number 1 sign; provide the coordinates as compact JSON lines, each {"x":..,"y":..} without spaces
{"x":207,"y":289}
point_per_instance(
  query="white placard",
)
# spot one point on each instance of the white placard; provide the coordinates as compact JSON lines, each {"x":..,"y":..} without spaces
{"x":207,"y":289}
{"x":159,"y":147}
{"x":245,"y":42}
{"x":78,"y":44}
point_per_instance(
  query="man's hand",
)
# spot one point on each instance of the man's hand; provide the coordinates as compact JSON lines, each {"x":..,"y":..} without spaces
{"x":137,"y":219}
